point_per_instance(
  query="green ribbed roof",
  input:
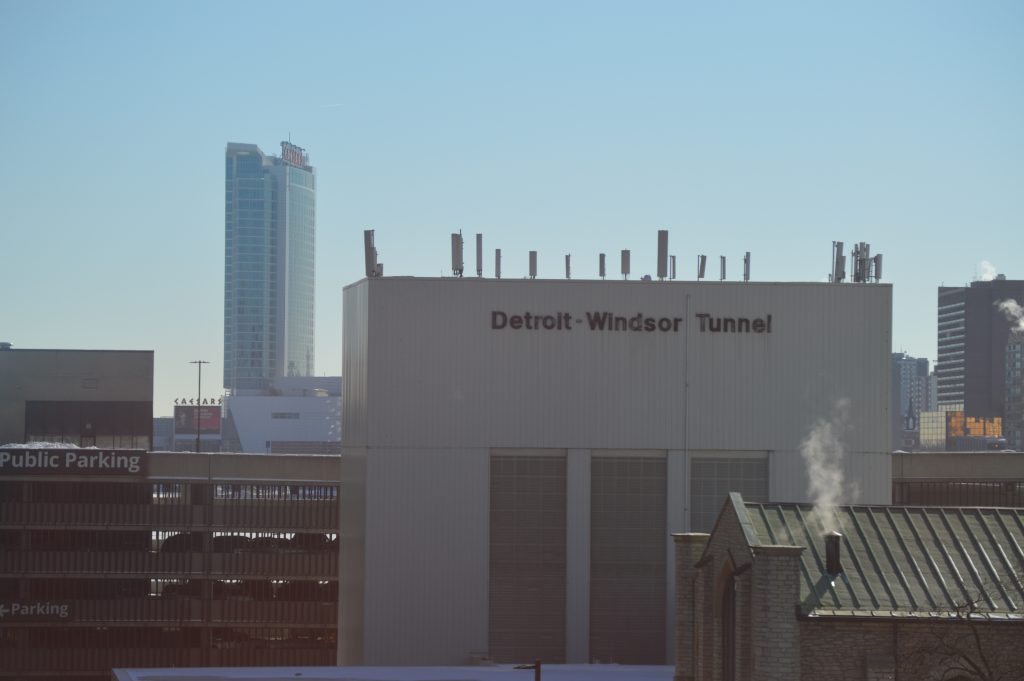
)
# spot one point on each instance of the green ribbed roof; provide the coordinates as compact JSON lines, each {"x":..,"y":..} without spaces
{"x":917,"y":562}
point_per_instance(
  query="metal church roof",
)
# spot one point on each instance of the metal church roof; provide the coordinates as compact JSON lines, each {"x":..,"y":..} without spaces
{"x":907,"y":562}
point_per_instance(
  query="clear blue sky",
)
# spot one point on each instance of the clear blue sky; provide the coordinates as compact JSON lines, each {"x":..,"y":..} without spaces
{"x":575,"y":127}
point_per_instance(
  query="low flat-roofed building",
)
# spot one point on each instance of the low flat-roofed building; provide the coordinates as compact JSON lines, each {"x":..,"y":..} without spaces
{"x":123,"y":558}
{"x":89,"y":398}
{"x":983,"y":478}
{"x":557,"y":672}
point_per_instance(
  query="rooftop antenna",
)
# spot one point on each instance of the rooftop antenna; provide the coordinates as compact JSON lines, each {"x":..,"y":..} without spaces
{"x":721,"y":268}
{"x":702,"y":262}
{"x":672,"y":267}
{"x":533,"y":264}
{"x":373,"y":268}
{"x":625,"y":264}
{"x":838,"y":263}
{"x":600,"y":265}
{"x":568,"y":257}
{"x":662,"y":254}
{"x":497,"y":263}
{"x":746,"y":266}
{"x":457,"y":254}
{"x":861,"y":259}
{"x":479,"y":254}
{"x":877,"y":263}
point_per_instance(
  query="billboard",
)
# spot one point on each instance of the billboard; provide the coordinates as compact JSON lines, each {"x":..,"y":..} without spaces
{"x":185,"y":419}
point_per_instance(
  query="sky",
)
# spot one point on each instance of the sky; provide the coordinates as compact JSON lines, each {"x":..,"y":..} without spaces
{"x":566,"y":128}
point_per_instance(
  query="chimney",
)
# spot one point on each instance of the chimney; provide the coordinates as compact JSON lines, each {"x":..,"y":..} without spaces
{"x":833,"y":565}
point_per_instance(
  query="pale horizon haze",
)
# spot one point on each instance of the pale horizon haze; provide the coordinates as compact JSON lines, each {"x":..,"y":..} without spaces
{"x":570,"y":127}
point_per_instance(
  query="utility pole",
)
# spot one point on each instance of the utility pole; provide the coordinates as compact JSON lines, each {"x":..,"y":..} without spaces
{"x":199,"y":399}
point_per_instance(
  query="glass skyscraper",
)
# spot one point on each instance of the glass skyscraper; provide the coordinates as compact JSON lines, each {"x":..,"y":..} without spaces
{"x":269,"y":266}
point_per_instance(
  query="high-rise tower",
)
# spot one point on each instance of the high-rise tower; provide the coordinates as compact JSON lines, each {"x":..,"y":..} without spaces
{"x":910,"y":396}
{"x":269,"y":266}
{"x":972,"y":341}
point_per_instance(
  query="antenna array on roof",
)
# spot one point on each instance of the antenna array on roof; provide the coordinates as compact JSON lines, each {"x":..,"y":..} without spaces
{"x":457,"y":254}
{"x":865,"y":267}
{"x":373,"y":268}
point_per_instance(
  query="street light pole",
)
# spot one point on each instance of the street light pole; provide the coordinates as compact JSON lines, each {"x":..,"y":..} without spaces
{"x":199,"y":398}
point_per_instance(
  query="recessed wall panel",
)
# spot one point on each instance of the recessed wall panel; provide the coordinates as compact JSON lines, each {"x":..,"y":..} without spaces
{"x":527,"y":557}
{"x":627,"y":564}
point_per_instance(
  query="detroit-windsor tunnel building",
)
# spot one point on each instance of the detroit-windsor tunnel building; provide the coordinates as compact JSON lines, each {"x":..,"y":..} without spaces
{"x":517,"y":453}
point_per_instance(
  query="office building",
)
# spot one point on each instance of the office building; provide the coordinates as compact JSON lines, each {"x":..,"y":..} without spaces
{"x":910,"y":394}
{"x":972,"y":338}
{"x":86,"y":398}
{"x":123,"y":558}
{"x":953,"y":431}
{"x":269,"y":266}
{"x":518,"y":451}
{"x":1013,"y":421}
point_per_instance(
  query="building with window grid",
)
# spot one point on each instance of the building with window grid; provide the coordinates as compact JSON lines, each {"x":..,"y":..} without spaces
{"x":910,"y":395}
{"x":1013,"y":421}
{"x":518,"y":451}
{"x":180,"y":560}
{"x":972,"y":342}
{"x":269,"y":266}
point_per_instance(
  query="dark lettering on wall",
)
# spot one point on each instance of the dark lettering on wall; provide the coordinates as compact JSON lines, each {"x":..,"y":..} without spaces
{"x":710,"y":324}
{"x":639,"y":322}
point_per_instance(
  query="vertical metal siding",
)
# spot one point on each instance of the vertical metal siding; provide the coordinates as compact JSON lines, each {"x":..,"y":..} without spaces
{"x":577,"y":556}
{"x":430,"y":388}
{"x":354,"y":364}
{"x":448,"y":379}
{"x":426,"y":556}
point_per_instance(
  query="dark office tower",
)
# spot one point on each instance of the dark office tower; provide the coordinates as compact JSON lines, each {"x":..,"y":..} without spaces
{"x":269,"y":266}
{"x":1013,"y":419}
{"x":972,"y":340}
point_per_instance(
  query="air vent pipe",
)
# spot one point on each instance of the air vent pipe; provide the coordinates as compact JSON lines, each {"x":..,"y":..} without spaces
{"x":833,"y":564}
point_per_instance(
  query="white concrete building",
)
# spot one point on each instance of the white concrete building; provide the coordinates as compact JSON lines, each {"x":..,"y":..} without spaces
{"x":297,"y":415}
{"x":517,"y":452}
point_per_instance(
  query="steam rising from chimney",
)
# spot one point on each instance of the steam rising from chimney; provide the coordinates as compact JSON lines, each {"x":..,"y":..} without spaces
{"x":988,"y":271}
{"x":823,"y":454}
{"x":1014,"y":313}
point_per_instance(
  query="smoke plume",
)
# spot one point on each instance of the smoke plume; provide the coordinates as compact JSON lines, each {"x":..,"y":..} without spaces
{"x":988,"y":271}
{"x":823,"y":454}
{"x":1014,"y":313}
